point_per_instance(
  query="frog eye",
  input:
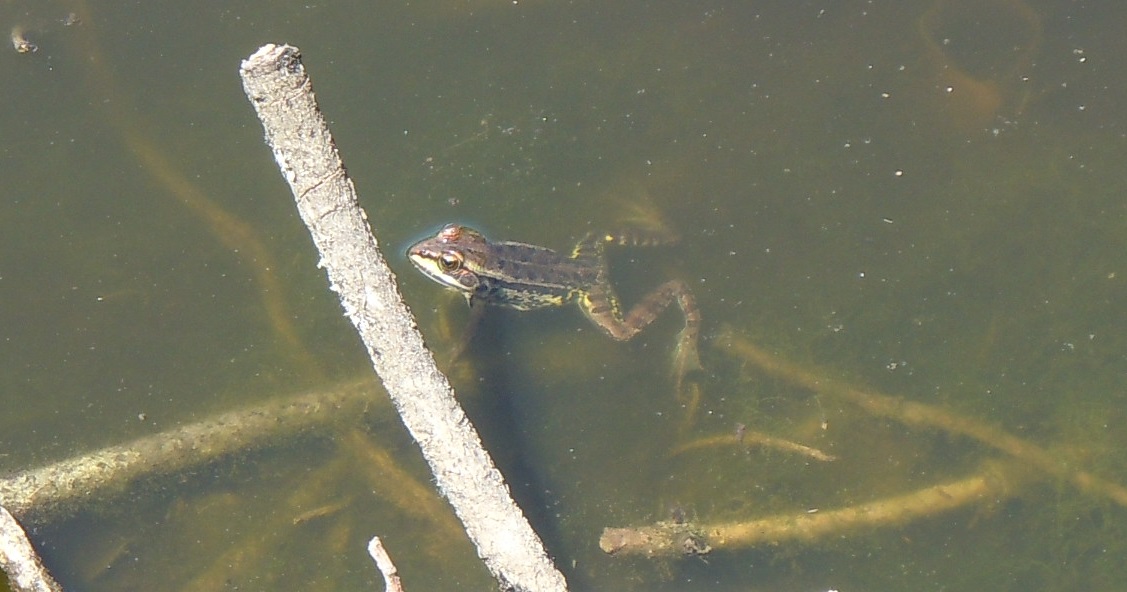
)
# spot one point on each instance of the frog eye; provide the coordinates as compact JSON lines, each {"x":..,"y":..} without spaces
{"x":450,"y":262}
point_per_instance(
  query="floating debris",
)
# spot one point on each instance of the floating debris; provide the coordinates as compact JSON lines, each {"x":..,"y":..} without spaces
{"x":20,"y":42}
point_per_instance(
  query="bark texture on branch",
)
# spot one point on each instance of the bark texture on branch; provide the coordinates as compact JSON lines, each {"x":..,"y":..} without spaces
{"x":280,"y":91}
{"x":19,"y":560}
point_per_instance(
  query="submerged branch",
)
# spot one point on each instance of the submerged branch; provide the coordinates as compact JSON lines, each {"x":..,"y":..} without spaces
{"x":749,"y":439}
{"x":56,"y":490}
{"x":670,"y":539}
{"x":916,"y":414}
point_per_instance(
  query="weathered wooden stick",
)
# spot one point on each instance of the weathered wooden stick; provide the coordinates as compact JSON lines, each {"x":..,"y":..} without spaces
{"x":19,"y":560}
{"x":280,"y":91}
{"x":385,"y":565}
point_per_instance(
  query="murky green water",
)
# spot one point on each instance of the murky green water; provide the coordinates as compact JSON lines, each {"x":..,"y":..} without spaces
{"x":922,"y":199}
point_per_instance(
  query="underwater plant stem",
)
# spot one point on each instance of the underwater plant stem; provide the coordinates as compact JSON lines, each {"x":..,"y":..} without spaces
{"x":19,"y":560}
{"x":916,"y":414}
{"x":247,"y":555}
{"x":670,"y":539}
{"x":237,"y":235}
{"x":277,"y":86}
{"x":391,"y":483}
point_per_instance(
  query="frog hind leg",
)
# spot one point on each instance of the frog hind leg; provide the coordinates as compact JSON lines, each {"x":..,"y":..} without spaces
{"x":601,"y":306}
{"x":600,"y":303}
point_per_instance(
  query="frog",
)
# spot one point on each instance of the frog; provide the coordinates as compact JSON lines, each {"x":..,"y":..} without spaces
{"x":524,"y":276}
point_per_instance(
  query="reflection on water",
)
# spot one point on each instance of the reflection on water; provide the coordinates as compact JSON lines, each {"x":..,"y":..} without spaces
{"x":919,"y":199}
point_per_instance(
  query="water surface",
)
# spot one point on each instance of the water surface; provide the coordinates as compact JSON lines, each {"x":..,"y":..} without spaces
{"x":921,"y":198}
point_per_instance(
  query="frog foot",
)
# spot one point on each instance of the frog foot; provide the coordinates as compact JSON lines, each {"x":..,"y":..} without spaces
{"x":686,"y":363}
